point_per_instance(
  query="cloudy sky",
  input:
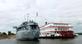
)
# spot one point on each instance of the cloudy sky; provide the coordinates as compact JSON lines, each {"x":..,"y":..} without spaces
{"x":14,"y":12}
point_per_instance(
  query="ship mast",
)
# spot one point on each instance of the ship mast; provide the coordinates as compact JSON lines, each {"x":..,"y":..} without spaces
{"x":26,"y":17}
{"x":36,"y":14}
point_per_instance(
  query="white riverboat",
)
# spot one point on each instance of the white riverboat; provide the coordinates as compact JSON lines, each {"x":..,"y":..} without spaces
{"x":28,"y":30}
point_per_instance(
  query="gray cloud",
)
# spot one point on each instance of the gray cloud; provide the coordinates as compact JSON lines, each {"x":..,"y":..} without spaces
{"x":12,"y":12}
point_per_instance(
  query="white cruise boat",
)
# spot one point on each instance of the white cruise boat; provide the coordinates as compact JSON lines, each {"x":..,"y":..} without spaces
{"x":28,"y":30}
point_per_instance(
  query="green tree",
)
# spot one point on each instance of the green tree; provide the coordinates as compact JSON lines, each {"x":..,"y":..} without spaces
{"x":9,"y":32}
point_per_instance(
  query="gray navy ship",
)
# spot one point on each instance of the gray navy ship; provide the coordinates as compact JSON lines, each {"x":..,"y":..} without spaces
{"x":28,"y":30}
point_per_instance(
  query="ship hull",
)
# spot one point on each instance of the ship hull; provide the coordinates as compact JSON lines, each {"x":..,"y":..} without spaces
{"x":61,"y":34}
{"x":27,"y":35}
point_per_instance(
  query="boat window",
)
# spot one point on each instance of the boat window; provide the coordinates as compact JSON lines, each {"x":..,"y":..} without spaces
{"x":33,"y":26}
{"x":22,"y":28}
{"x":19,"y":28}
{"x":56,"y":29}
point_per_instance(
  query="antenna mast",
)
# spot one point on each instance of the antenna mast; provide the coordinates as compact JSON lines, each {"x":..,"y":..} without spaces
{"x":36,"y":14}
{"x":27,"y":17}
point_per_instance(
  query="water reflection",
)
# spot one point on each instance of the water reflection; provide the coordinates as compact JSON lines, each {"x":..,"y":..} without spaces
{"x":27,"y":42}
{"x":77,"y":40}
{"x":49,"y":41}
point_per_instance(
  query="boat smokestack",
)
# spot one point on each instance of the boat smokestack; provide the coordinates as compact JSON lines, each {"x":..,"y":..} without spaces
{"x":46,"y":23}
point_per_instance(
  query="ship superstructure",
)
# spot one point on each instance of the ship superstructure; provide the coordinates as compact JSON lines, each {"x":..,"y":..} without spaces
{"x":64,"y":30}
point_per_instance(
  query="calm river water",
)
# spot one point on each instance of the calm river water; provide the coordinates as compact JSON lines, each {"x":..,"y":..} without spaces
{"x":77,"y":40}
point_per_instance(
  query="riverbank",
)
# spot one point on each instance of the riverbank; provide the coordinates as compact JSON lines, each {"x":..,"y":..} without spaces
{"x":9,"y":35}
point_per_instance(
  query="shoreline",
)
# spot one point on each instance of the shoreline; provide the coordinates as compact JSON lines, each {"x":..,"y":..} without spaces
{"x":7,"y":37}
